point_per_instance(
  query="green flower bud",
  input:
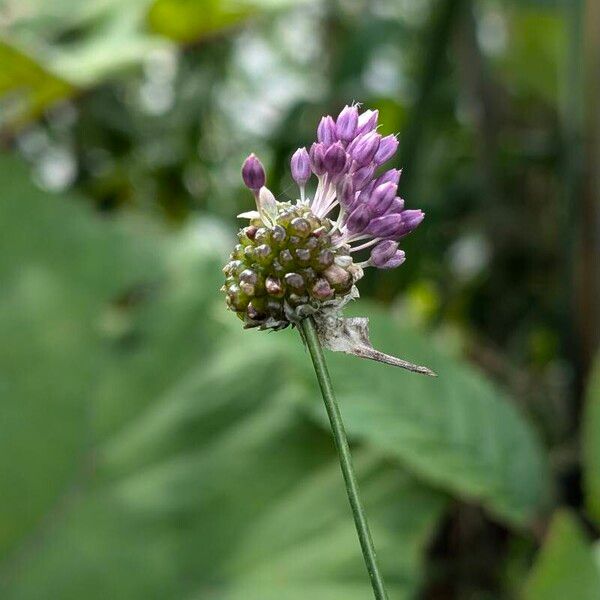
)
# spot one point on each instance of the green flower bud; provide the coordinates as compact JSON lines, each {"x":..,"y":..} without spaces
{"x":279,"y":273}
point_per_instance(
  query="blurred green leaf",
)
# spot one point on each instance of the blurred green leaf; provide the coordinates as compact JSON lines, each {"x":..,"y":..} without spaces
{"x":188,"y":20}
{"x":591,"y":444}
{"x":59,"y":272}
{"x":566,"y":566}
{"x":537,"y":45}
{"x":102,"y":39}
{"x":26,"y":87}
{"x":456,"y":431}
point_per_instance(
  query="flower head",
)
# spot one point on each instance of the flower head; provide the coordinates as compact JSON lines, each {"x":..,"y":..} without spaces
{"x":300,"y":258}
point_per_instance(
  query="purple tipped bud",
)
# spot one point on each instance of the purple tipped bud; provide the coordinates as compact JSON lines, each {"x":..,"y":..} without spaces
{"x":321,"y":289}
{"x":345,"y":192}
{"x":411,"y":219}
{"x":335,"y":159}
{"x":395,"y":261}
{"x":326,"y":131}
{"x":359,"y":218}
{"x":363,"y":176}
{"x":365,"y":149}
{"x":386,"y":149}
{"x":383,"y":252}
{"x":382,"y":197}
{"x":393,"y":176}
{"x":317,"y":154}
{"x":386,"y":226}
{"x":253,"y":173}
{"x":345,"y":126}
{"x":300,"y":165}
{"x":367,"y":122}
{"x":397,"y":206}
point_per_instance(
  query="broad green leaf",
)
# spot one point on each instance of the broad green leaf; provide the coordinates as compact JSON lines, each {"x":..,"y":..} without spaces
{"x":59,"y":274}
{"x":566,"y":566}
{"x":591,"y":444}
{"x":456,"y":431}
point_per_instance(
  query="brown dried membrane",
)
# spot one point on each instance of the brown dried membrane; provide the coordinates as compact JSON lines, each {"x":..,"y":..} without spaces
{"x":277,"y":275}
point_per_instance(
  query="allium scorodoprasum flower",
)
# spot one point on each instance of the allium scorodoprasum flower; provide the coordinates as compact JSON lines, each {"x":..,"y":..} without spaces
{"x":295,"y":259}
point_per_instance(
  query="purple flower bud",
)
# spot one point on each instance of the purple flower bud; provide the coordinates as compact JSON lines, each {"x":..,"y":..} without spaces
{"x":367,"y":122}
{"x":300,"y":165}
{"x":317,"y":154}
{"x":396,"y":260}
{"x":345,"y":126}
{"x":397,"y":206}
{"x":386,"y":149}
{"x":366,"y":192}
{"x":411,"y":219}
{"x":345,"y":192}
{"x":386,"y":226}
{"x":335,"y":159}
{"x":363,"y":176}
{"x":365,"y":149}
{"x":359,"y":218}
{"x":326,"y":131}
{"x":253,"y":173}
{"x":381,"y":198}
{"x":393,"y":175}
{"x":383,"y":252}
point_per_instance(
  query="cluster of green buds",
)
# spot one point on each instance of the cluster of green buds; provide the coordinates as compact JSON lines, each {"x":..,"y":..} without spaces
{"x":286,"y":269}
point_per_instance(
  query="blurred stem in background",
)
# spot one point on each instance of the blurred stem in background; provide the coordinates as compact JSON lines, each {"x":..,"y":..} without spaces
{"x":572,"y":127}
{"x":482,"y":102}
{"x":588,"y":304}
{"x":311,"y":338}
{"x":443,"y":21}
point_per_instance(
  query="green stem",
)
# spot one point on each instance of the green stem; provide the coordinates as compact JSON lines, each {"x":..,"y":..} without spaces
{"x":311,"y":338}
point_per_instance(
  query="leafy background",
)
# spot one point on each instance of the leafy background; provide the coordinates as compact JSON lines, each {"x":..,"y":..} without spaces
{"x":149,"y":448}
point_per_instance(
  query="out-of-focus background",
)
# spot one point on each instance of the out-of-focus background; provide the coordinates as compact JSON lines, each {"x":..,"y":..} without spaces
{"x":150,"y":448}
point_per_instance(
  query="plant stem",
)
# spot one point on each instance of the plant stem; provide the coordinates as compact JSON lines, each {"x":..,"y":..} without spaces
{"x":341,"y":442}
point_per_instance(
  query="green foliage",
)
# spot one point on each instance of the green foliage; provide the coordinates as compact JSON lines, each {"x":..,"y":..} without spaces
{"x":99,"y":41}
{"x":187,"y":20}
{"x":134,"y":465}
{"x":151,"y":448}
{"x":538,"y":45}
{"x":59,"y":270}
{"x":73,"y":45}
{"x":566,"y":566}
{"x":591,"y":444}
{"x":139,"y":454}
{"x":190,"y":20}
{"x":26,"y":87}
{"x":455,"y":431}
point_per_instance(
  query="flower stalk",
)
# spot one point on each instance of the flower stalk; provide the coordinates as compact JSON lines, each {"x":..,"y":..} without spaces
{"x":311,"y":338}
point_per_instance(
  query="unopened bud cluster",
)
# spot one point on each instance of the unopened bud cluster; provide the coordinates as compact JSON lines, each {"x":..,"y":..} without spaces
{"x":281,"y":273}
